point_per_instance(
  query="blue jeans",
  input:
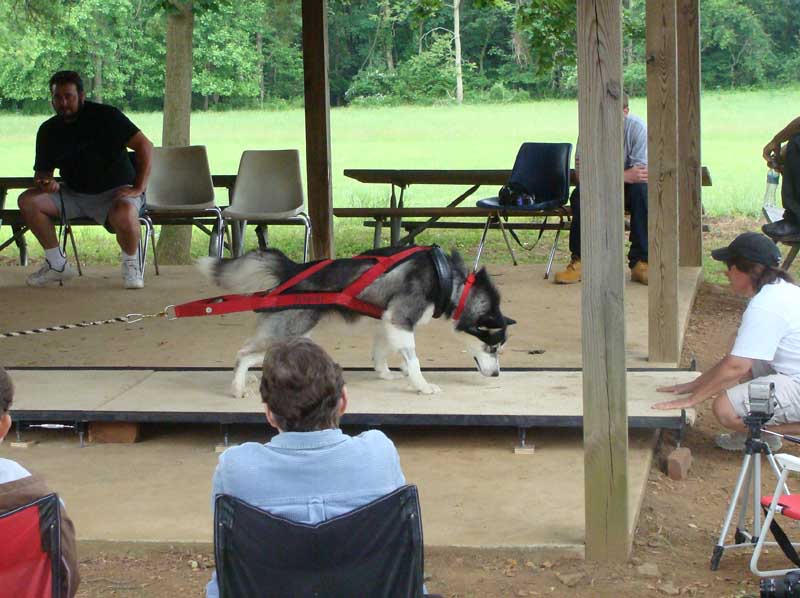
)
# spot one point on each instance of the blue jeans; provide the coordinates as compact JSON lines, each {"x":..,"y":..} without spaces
{"x":635,"y":203}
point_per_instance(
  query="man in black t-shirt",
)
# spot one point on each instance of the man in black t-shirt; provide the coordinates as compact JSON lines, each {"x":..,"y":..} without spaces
{"x":89,"y":145}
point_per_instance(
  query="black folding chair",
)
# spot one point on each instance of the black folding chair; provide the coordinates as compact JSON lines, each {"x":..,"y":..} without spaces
{"x":374,"y":551}
{"x":542,"y":171}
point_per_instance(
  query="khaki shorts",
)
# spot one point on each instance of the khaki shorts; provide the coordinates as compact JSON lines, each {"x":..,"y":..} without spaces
{"x":90,"y":205}
{"x":787,"y":394}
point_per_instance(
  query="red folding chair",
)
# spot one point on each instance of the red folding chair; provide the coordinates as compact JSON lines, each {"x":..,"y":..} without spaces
{"x":783,"y":503}
{"x":30,"y":550}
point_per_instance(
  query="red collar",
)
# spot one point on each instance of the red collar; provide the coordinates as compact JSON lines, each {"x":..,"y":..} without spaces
{"x":464,"y":293}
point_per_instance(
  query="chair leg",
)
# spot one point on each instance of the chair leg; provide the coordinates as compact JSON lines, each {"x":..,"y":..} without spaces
{"x":216,"y":241}
{"x":482,"y":241}
{"x":144,"y":238}
{"x":307,"y":236}
{"x":240,"y":228}
{"x":67,"y":232}
{"x":552,"y":255}
{"x":765,"y":530}
{"x":505,"y":238}
{"x":262,"y":235}
{"x":226,"y":240}
{"x":154,"y":244}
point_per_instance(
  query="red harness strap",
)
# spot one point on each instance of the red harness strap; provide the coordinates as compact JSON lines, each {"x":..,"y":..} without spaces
{"x":275,"y":299}
{"x":463,"y":300}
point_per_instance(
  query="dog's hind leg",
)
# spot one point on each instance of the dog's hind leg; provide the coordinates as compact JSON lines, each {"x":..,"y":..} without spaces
{"x":252,"y":353}
{"x":403,"y":341}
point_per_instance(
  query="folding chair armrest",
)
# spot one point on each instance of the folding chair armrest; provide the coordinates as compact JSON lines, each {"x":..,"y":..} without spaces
{"x":789,"y":462}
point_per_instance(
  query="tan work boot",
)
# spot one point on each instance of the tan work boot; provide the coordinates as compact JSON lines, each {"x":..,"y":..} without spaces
{"x":571,"y":274}
{"x":639,"y":272}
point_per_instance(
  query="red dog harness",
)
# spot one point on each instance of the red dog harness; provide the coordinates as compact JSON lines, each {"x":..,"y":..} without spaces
{"x":277,"y":299}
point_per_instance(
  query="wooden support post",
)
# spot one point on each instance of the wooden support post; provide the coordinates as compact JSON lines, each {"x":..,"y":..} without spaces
{"x":689,"y":171}
{"x":318,"y":126}
{"x":605,"y":421}
{"x":662,"y":196}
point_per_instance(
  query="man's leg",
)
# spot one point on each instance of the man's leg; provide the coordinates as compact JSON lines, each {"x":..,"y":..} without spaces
{"x":790,"y":189}
{"x":38,"y":208}
{"x":572,"y":273}
{"x":123,"y":219}
{"x":636,"y":203}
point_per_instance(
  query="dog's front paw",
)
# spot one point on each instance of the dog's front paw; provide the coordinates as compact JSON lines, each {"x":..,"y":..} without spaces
{"x":429,"y":389}
{"x":238,"y":390}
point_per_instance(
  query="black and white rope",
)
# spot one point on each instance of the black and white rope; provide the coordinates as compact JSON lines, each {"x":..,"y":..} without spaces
{"x":127,"y":319}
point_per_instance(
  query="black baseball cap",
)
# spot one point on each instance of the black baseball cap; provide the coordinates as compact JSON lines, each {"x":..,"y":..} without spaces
{"x":751,"y":246}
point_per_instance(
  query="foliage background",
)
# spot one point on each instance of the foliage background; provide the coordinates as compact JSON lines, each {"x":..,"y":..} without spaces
{"x":382,"y":52}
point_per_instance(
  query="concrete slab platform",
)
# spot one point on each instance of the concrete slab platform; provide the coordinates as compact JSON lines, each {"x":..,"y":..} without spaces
{"x":475,"y":491}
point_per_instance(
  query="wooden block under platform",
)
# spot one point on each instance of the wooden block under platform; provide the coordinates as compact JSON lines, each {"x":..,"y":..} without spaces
{"x":113,"y":432}
{"x":23,"y":444}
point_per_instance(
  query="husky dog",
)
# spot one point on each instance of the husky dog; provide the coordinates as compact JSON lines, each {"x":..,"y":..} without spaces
{"x":427,"y":284}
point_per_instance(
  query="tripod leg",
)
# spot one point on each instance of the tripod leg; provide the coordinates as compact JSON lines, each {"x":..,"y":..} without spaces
{"x":716,"y":556}
{"x":740,"y":536}
{"x":757,"y":497}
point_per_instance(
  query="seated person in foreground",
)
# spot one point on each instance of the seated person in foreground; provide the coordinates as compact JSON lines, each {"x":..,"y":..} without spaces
{"x":310,"y":471}
{"x":766,"y":349}
{"x":786,"y":160}
{"x":19,"y":487}
{"x":635,"y":175}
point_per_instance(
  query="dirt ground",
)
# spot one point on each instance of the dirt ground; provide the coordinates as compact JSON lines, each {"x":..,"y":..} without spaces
{"x":678,"y":527}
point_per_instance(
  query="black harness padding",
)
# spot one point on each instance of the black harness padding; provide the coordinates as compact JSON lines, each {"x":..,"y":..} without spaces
{"x":444,"y":274}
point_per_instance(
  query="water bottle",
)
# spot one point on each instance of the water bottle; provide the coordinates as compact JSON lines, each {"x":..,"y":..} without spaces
{"x":772,"y":188}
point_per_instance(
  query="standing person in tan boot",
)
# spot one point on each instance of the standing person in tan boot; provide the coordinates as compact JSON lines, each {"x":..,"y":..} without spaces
{"x":635,"y":175}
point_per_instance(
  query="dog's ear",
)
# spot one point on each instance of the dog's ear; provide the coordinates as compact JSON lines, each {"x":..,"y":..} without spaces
{"x":509,"y":321}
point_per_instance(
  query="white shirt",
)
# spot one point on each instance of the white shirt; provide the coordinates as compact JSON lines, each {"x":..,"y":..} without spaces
{"x":11,"y":471}
{"x":770,"y":328}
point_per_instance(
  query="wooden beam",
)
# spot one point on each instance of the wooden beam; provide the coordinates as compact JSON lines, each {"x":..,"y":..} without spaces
{"x":662,"y":196}
{"x":689,"y":172}
{"x":605,"y":425}
{"x":318,"y":126}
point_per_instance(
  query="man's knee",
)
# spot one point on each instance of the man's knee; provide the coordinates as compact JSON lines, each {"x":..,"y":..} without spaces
{"x":725,"y":413}
{"x":123,"y":216}
{"x":32,"y":201}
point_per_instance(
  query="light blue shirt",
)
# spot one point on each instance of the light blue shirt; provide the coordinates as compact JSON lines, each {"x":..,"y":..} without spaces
{"x":308,"y":476}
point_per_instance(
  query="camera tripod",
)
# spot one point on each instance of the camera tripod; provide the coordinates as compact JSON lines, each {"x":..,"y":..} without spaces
{"x":749,"y":480}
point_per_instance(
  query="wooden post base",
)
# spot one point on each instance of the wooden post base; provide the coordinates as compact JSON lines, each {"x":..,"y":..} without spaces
{"x":113,"y":432}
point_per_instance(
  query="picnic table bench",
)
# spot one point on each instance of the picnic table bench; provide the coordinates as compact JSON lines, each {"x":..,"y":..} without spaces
{"x":397,"y":213}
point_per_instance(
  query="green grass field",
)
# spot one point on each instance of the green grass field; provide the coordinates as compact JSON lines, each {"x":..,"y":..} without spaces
{"x":735,"y":126}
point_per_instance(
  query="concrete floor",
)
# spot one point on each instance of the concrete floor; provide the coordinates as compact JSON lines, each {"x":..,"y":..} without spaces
{"x":475,"y":490}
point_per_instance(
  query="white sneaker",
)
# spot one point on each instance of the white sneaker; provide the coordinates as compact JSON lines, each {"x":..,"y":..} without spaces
{"x":735,"y":441}
{"x":132,"y":277}
{"x":47,"y":275}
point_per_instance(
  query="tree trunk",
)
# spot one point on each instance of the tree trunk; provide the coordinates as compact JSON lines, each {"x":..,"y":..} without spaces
{"x":518,"y":44}
{"x":389,"y":47}
{"x":260,"y":50}
{"x":457,"y":39}
{"x":97,"y":84}
{"x":174,"y":242}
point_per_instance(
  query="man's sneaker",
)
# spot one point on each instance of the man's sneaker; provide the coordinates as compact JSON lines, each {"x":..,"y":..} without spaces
{"x":571,"y":274}
{"x":734,"y":441}
{"x":639,"y":272}
{"x":132,"y":277}
{"x":48,"y":275}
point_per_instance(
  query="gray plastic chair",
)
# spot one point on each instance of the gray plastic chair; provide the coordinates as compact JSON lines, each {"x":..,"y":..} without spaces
{"x":180,"y":191}
{"x":268,"y":190}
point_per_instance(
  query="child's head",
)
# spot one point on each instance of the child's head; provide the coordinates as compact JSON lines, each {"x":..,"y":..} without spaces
{"x":6,"y":398}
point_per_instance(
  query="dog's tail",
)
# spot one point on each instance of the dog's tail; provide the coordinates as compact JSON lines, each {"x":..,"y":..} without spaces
{"x":254,"y":271}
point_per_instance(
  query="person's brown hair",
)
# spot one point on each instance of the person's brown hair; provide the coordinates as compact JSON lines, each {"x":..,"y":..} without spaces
{"x":759,"y":274}
{"x":301,"y":385}
{"x":625,"y":99}
{"x":6,"y":392}
{"x":63,"y":77}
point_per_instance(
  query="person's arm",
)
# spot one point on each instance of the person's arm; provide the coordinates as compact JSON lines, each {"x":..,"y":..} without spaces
{"x":143,"y":147}
{"x":637,"y":153}
{"x":772,"y":150}
{"x":726,"y":373}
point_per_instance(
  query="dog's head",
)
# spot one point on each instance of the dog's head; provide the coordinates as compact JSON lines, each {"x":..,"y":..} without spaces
{"x":483,"y":326}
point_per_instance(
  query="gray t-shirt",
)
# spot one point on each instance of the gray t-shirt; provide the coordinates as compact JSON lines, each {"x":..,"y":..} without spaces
{"x":634,"y":137}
